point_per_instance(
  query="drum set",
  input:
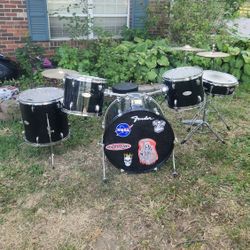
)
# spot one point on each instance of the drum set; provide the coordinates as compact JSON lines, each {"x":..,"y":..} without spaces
{"x":137,"y":138}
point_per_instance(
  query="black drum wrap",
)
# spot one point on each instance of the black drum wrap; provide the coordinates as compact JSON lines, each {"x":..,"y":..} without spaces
{"x":219,"y":83}
{"x":83,"y":95}
{"x":39,"y":109}
{"x":137,"y":138}
{"x":185,"y":87}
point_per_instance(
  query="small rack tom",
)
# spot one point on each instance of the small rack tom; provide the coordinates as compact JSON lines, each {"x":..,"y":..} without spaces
{"x":219,"y":83}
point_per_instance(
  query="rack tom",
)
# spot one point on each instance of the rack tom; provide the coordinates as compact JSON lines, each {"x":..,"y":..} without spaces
{"x":185,"y":87}
{"x":219,"y":83}
{"x":83,"y":95}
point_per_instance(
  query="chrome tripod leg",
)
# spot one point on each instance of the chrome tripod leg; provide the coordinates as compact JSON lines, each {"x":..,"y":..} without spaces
{"x":190,"y":134}
{"x":216,"y":134}
{"x":220,"y":116}
{"x":50,"y":139}
{"x":174,"y":173}
{"x":104,"y":178}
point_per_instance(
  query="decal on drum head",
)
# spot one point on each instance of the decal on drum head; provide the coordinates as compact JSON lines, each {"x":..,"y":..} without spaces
{"x":159,"y":126}
{"x":128,"y":157}
{"x":136,"y":118}
{"x":147,"y":151}
{"x":123,"y":130}
{"x":118,"y":146}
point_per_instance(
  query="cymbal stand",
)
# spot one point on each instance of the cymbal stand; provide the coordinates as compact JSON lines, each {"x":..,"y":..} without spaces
{"x":200,"y":124}
{"x":50,"y":139}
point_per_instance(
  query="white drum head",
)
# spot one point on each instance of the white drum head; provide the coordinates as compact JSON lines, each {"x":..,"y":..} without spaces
{"x":219,"y":78}
{"x":182,"y":74}
{"x":39,"y":96}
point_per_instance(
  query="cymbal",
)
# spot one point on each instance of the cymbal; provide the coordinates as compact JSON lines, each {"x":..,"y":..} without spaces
{"x":213,"y":54}
{"x":188,"y":48}
{"x":58,"y":73}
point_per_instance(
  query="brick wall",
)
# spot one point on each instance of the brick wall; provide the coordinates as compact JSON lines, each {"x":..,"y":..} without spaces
{"x":13,"y":25}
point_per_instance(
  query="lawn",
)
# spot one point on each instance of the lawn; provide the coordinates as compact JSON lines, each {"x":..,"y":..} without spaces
{"x":69,"y":207}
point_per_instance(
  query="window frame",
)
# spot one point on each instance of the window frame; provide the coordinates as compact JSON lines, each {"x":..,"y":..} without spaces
{"x":92,"y":16}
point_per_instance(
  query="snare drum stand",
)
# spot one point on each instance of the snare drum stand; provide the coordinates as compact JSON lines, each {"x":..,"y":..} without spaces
{"x":201,"y":123}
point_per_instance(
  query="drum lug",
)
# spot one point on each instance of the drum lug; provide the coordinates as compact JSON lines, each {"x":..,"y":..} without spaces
{"x":59,"y":105}
{"x":37,"y":139}
{"x":173,"y":86}
{"x":156,"y":169}
{"x":71,"y":105}
{"x":73,"y":83}
{"x":97,"y":108}
{"x":26,"y":123}
{"x":198,"y":81}
{"x":32,"y":108}
{"x":23,"y":132}
{"x":119,"y":112}
{"x":100,"y":87}
{"x":199,"y":98}
{"x":122,"y":170}
{"x":61,"y":134}
{"x":156,"y":111}
{"x":175,"y":104}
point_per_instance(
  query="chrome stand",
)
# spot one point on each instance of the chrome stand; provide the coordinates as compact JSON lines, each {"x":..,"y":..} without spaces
{"x":174,"y":173}
{"x":50,"y":139}
{"x":200,"y":124}
{"x":104,"y":178}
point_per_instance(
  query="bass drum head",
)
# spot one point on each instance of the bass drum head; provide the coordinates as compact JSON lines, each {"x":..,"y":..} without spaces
{"x":138,"y":141}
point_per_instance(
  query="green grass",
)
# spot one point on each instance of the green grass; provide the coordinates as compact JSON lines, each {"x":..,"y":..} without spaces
{"x":69,"y":207}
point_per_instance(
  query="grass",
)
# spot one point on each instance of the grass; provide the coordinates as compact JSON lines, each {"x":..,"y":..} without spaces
{"x":206,"y":207}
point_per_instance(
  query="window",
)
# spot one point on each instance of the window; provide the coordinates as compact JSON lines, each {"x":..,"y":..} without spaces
{"x":110,"y":15}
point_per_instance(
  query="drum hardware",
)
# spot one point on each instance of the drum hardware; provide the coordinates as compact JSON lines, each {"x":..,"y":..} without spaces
{"x":50,"y":131}
{"x":200,"y":124}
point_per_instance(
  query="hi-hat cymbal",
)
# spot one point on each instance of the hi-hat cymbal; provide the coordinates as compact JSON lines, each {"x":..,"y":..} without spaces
{"x":57,"y":73}
{"x":213,"y":54}
{"x":188,"y":48}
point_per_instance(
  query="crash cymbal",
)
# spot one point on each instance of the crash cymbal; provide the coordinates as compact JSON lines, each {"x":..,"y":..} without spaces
{"x":57,"y":73}
{"x":188,"y":48}
{"x":213,"y":54}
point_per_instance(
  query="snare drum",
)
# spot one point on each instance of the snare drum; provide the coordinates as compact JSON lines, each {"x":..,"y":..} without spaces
{"x":44,"y":122}
{"x":219,"y":83}
{"x":185,"y":87}
{"x":137,"y":137}
{"x":83,"y":95}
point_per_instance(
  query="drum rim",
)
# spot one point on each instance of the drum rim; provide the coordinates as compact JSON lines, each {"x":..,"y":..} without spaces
{"x":78,"y":113}
{"x":39,"y":145}
{"x":41,"y":103}
{"x":220,"y":84}
{"x":184,"y":78}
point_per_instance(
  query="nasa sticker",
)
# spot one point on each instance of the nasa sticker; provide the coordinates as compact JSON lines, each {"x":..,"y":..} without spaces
{"x":159,"y":126}
{"x":123,"y":130}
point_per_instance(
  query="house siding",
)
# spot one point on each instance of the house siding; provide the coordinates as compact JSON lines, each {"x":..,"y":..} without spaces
{"x":14,"y":27}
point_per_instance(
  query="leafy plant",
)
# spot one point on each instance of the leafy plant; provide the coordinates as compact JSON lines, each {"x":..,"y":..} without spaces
{"x":28,"y":58}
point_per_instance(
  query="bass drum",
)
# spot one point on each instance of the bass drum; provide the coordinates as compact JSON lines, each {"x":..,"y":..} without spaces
{"x":137,"y":137}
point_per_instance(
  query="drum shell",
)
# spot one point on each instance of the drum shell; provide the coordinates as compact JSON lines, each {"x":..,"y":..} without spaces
{"x":124,"y":112}
{"x":212,"y":89}
{"x":184,"y":93}
{"x":74,"y":101}
{"x":35,"y":123}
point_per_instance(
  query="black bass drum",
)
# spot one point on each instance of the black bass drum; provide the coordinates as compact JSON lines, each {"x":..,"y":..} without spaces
{"x":137,"y":137}
{"x":41,"y":112}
